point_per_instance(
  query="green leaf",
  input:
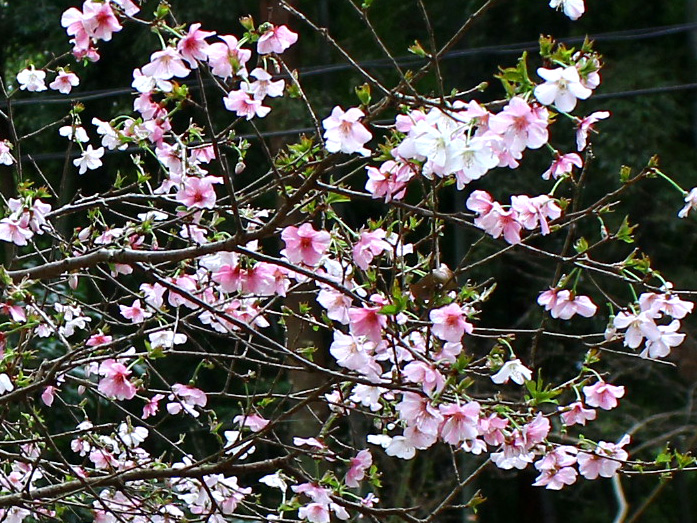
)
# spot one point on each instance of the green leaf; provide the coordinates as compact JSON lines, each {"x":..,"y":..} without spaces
{"x":581,"y":245}
{"x":417,"y":49}
{"x":333,"y":197}
{"x":625,"y":231}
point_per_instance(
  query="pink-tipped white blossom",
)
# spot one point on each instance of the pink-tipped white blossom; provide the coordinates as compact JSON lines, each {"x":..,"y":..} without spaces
{"x":345,"y":133}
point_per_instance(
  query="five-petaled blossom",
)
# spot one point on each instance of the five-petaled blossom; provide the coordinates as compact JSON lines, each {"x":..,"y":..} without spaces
{"x":562,"y":88}
{"x":449,"y":322}
{"x":603,"y":395}
{"x":90,"y":159}
{"x":304,"y":244}
{"x":344,"y":133}
{"x":31,"y":79}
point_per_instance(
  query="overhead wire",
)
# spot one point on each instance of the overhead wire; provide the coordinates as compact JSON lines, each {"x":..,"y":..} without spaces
{"x":511,"y":48}
{"x":405,"y":60}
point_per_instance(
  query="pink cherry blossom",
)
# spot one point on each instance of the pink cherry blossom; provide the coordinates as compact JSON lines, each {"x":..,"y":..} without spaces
{"x":585,"y":126}
{"x":427,"y":376}
{"x":498,"y":221}
{"x":242,"y":104}
{"x":576,"y":414}
{"x":6,"y":157}
{"x":336,"y":304}
{"x":449,"y":322}
{"x":344,"y":133}
{"x":521,"y":125}
{"x":264,"y":86}
{"x":16,"y":231}
{"x":197,"y":192}
{"x":366,"y":321}
{"x":98,"y":339}
{"x":193,"y":46}
{"x":358,"y":467}
{"x":668,"y":338}
{"x":669,"y":304}
{"x":136,"y":313}
{"x":389,"y":181}
{"x":564,"y":304}
{"x":460,"y":422}
{"x":152,"y":406}
{"x":186,"y":397}
{"x":276,"y":39}
{"x":99,"y":20}
{"x":605,"y":461}
{"x":371,"y":243}
{"x":253,"y":421}
{"x":353,"y":354}
{"x":64,"y":82}
{"x":563,"y":164}
{"x":534,"y":211}
{"x":304,"y":244}
{"x":639,"y":326}
{"x":166,"y":64}
{"x":227,"y":57}
{"x":603,"y":395}
{"x":115,"y":383}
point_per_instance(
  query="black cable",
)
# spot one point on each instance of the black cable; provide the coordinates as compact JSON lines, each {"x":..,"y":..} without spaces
{"x":515,"y":48}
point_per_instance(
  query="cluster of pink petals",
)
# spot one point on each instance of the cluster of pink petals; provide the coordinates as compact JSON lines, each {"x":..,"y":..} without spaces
{"x":198,"y":192}
{"x":565,"y":304}
{"x":370,"y":244}
{"x":556,"y":468}
{"x":468,"y":141}
{"x":576,"y":413}
{"x":64,"y":82}
{"x":367,"y":320}
{"x":358,"y":467}
{"x":525,"y":212}
{"x":321,"y":507}
{"x":6,"y":157}
{"x":186,"y":398}
{"x":193,"y":46}
{"x":389,"y":181}
{"x":24,"y":221}
{"x":244,"y":105}
{"x":605,"y":461}
{"x":96,"y":21}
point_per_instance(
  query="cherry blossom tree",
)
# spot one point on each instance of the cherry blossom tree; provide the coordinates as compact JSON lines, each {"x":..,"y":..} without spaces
{"x":150,"y":354}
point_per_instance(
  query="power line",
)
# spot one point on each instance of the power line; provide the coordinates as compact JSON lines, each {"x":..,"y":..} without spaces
{"x":406,"y":60}
{"x":299,"y":130}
